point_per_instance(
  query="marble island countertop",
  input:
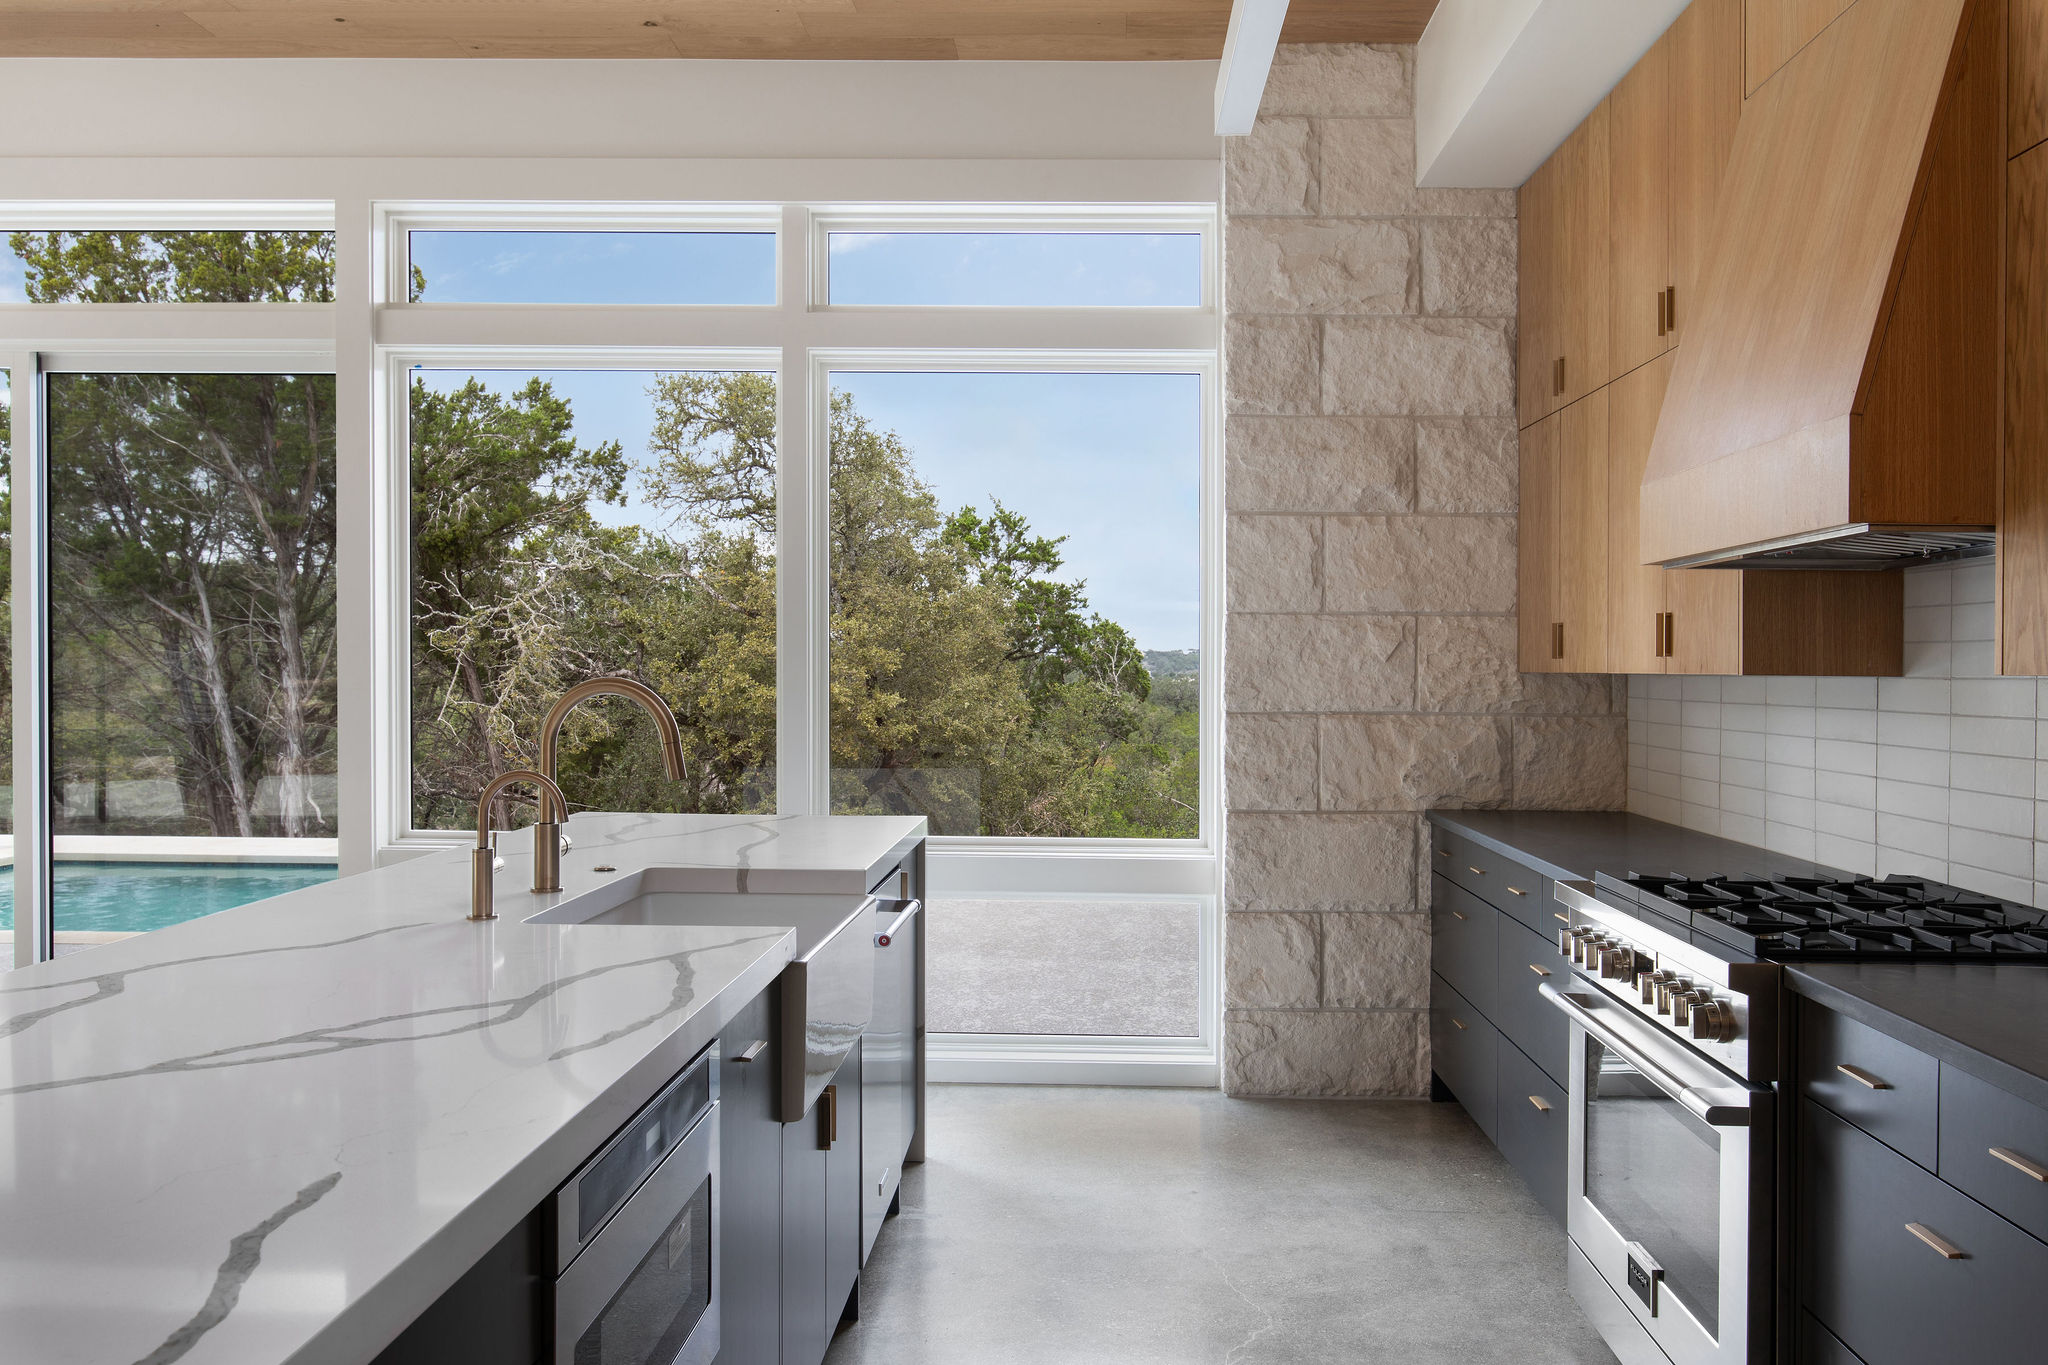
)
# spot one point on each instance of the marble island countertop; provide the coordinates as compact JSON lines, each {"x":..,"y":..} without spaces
{"x":278,"y":1133}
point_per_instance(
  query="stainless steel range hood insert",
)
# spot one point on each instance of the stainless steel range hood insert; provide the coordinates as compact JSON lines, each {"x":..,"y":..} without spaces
{"x":1859,"y":545}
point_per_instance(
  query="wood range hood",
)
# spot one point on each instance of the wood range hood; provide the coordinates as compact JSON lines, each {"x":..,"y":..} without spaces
{"x":1835,"y":401}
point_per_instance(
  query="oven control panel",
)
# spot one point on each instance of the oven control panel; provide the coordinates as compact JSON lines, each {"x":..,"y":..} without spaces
{"x":1726,"y":1010}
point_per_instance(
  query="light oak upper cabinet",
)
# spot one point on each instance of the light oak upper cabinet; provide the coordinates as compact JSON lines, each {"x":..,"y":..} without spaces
{"x":1563,"y":212}
{"x":2023,"y":523}
{"x":1705,"y":61}
{"x":1562,"y":540}
{"x":1671,"y":124}
{"x":1639,"y":213}
{"x":1636,"y":625}
{"x":1775,"y":29}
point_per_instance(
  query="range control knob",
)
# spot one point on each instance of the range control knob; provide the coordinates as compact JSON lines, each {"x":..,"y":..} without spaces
{"x":1652,"y":980}
{"x":1618,"y":963}
{"x":1713,"y":1020}
{"x":1667,"y":989}
{"x":1685,"y":1002}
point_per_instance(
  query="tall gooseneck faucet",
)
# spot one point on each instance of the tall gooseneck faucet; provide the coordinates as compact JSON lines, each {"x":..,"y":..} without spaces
{"x":483,"y":860}
{"x":547,"y":837}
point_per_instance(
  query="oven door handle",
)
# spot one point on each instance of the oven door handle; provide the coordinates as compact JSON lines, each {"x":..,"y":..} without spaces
{"x":1720,"y":1107}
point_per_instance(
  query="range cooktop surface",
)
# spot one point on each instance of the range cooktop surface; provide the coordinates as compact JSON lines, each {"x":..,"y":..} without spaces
{"x":1806,"y":918}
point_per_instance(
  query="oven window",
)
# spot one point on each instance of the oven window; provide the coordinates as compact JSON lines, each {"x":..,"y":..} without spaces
{"x":1654,"y":1173}
{"x":653,"y":1314}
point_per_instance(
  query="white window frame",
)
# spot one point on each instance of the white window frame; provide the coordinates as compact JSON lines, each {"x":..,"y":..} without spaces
{"x":372,"y":335}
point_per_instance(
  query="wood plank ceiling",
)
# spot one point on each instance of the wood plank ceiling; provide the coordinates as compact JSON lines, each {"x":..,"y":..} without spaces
{"x":938,"y":30}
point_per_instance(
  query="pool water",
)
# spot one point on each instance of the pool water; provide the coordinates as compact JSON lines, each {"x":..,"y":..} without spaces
{"x":131,"y":897}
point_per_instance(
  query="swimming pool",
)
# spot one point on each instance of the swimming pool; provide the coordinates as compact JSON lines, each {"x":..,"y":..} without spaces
{"x":133,"y":897}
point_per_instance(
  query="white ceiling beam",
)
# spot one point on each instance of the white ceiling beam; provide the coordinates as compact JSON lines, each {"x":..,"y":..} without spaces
{"x":1247,"y":57}
{"x":1500,"y":83}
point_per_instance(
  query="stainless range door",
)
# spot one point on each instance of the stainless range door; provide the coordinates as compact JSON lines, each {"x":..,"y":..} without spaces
{"x":1670,"y":1186}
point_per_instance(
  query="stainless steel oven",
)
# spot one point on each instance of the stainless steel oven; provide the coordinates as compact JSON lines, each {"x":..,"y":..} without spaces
{"x":1671,"y":1180}
{"x":637,"y":1236}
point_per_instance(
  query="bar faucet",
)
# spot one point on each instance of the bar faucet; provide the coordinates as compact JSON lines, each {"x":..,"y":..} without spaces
{"x":483,"y":860}
{"x":547,"y":837}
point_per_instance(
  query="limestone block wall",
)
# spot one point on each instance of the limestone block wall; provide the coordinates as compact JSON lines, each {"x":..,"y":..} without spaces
{"x":1370,"y":575}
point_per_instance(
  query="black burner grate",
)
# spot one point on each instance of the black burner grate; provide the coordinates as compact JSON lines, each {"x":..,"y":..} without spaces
{"x":1806,"y":917}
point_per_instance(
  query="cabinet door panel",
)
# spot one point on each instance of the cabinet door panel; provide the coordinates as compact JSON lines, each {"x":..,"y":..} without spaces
{"x":1636,"y":603}
{"x":1536,"y":548}
{"x":843,"y":1207}
{"x":1464,"y":1053}
{"x":1775,"y":29}
{"x":750,"y":1190}
{"x":1579,"y":282}
{"x":2023,"y":522}
{"x":2027,"y":107}
{"x":1706,"y":105}
{"x":1581,"y":532}
{"x":1534,"y":1125}
{"x":1705,"y":632}
{"x":1639,"y":208}
{"x":1537,"y":322}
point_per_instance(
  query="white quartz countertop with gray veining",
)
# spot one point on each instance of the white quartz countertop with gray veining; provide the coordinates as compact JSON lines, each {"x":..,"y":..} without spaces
{"x":280,"y":1132}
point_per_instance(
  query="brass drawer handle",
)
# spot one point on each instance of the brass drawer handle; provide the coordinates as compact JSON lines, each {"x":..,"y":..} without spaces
{"x":1460,"y":1023}
{"x":1561,"y":916}
{"x":1457,"y":914}
{"x":1516,"y":891}
{"x":1542,"y":1105}
{"x":1443,"y":853}
{"x":1545,"y":971}
{"x":2021,"y":1164}
{"x":753,"y":1050}
{"x":1862,"y":1077}
{"x":1475,"y":871}
{"x":1947,"y":1250}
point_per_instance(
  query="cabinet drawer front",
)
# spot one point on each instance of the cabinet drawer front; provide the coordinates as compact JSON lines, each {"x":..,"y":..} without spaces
{"x":1819,"y":1346}
{"x":1977,"y":1120}
{"x":1534,"y":1127}
{"x":1504,"y":883}
{"x":1525,"y":960}
{"x":1463,"y":930}
{"x":1464,"y":1051}
{"x":1877,"y":1083}
{"x":1904,"y":1269}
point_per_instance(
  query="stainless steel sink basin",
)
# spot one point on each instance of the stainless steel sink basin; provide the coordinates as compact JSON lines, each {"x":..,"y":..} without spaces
{"x":827,"y":991}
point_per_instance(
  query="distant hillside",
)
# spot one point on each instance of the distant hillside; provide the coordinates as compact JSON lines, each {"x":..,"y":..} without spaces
{"x":1173,"y":663}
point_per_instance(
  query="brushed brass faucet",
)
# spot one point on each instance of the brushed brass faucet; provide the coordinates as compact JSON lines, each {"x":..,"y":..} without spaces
{"x":483,"y":859}
{"x":547,"y":837}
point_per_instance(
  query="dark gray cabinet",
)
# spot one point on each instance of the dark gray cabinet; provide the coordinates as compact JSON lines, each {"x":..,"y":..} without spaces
{"x":1524,"y":961}
{"x":888,"y":1065}
{"x":1534,"y":1124}
{"x":1464,"y":1052}
{"x":1463,"y":936}
{"x":1994,"y":1147}
{"x":1878,"y":1083}
{"x":820,"y":1217}
{"x":1905,"y":1269}
{"x":750,"y":1190}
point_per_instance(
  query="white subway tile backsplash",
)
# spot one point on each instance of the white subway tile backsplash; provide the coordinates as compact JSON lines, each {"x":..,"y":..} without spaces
{"x":1942,"y":773}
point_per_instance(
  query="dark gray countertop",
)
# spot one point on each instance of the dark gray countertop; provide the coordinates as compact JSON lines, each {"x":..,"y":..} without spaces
{"x":1991,"y":1021}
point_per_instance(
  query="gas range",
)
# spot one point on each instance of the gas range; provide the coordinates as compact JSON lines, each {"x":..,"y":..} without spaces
{"x":1799,"y":919}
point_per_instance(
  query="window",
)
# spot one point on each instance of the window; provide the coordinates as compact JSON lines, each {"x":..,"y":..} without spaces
{"x":1016,"y":601}
{"x":1065,"y":965}
{"x":497,"y":266}
{"x":1016,"y":269}
{"x":569,"y":523}
{"x":192,"y":641}
{"x":105,"y":266}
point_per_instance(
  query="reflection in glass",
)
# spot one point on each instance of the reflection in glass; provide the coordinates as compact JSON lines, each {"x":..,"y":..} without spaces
{"x":1654,"y":1173}
{"x":1017,"y":269}
{"x":1064,"y":965}
{"x":1015,"y":601}
{"x":578,"y":523}
{"x":192,"y":629}
{"x":706,"y":268}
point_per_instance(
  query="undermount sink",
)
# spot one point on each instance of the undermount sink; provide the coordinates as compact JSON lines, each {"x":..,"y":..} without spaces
{"x":827,"y":990}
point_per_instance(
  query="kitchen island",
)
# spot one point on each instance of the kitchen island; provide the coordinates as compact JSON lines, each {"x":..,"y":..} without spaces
{"x":282,"y":1132}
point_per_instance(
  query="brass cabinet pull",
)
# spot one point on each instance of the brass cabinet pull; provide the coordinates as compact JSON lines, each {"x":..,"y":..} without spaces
{"x":828,"y":1118}
{"x":1557,"y":639}
{"x":1947,"y":1250}
{"x":1661,"y":328}
{"x":1671,"y":306}
{"x":1516,"y":891}
{"x":1862,"y":1077}
{"x":1561,"y":915}
{"x":1460,"y":1023}
{"x":1670,"y":635}
{"x":1540,"y":971}
{"x":1475,"y":871}
{"x":2021,"y":1164}
{"x":1457,"y":914}
{"x":1542,"y":1105}
{"x":752,"y":1050}
{"x":1443,"y":853}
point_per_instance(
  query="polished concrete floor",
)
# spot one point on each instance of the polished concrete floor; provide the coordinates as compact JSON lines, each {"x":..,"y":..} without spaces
{"x":1055,"y":1226}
